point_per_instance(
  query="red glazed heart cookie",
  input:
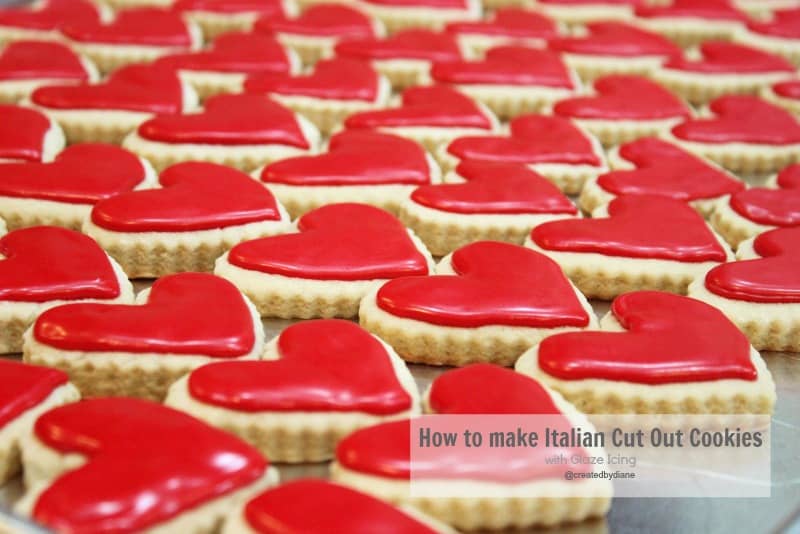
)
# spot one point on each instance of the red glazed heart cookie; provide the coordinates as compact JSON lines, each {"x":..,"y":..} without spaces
{"x":616,"y":39}
{"x":323,"y":20}
{"x":24,"y":133}
{"x":234,"y":52}
{"x":263,"y":8}
{"x":511,"y":23}
{"x":23,"y":387}
{"x":708,"y":10}
{"x":769,"y":207}
{"x":49,"y":15}
{"x":139,"y":26}
{"x":783,"y":24}
{"x":40,"y":60}
{"x":408,"y":44}
{"x":720,"y":57}
{"x":331,"y":79}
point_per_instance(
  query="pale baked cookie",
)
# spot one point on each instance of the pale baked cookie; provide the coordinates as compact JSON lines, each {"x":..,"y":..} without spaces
{"x":29,"y":282}
{"x":132,"y":36}
{"x":42,"y":20}
{"x":398,"y":15}
{"x":554,"y":147}
{"x":138,"y":350}
{"x":761,"y":292}
{"x":657,"y":353}
{"x":28,"y":135}
{"x":742,"y":133}
{"x":495,"y":201}
{"x":785,"y":94}
{"x":229,"y":60}
{"x":506,"y":26}
{"x":340,"y":253}
{"x":623,"y":108}
{"x":614,"y":48}
{"x":317,"y":382}
{"x":63,"y":192}
{"x":651,"y":166}
{"x":510,"y":80}
{"x":359,"y":166}
{"x":101,"y":463}
{"x":215,"y":17}
{"x":27,"y":391}
{"x":779,"y":33}
{"x":243,"y":131}
{"x":489,"y":302}
{"x":579,"y":12}
{"x":690,"y":22}
{"x":636,"y":242}
{"x":333,"y":90}
{"x":106,"y":112}
{"x":200,"y":210}
{"x":378,"y":460}
{"x":719,"y":68}
{"x":26,"y":65}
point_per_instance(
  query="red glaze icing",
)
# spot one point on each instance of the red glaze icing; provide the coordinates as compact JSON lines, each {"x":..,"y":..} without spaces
{"x":712,"y":10}
{"x":46,"y":263}
{"x":31,"y":60}
{"x":624,"y":98}
{"x":509,"y":22}
{"x":322,"y":20}
{"x":789,"y":178}
{"x":787,"y":89}
{"x":261,"y":7}
{"x":81,"y":174}
{"x":336,"y":242}
{"x":312,"y":505}
{"x":771,"y":279}
{"x":383,"y":450}
{"x":720,"y":57}
{"x":187,"y":313}
{"x":407,"y":44}
{"x":495,"y":284}
{"x":324,"y":366}
{"x":22,"y":133}
{"x":772,"y":207}
{"x":51,"y":15}
{"x":435,"y":106}
{"x":640,"y":226}
{"x":148,"y":26}
{"x":742,"y":119}
{"x":534,"y":139}
{"x":592,"y":2}
{"x":355,"y":157}
{"x":147,"y":463}
{"x":785,"y":23}
{"x":666,"y":170}
{"x":616,"y":39}
{"x":230,"y":119}
{"x":194,"y":196}
{"x":338,"y":78}
{"x":23,"y":386}
{"x":426,"y":4}
{"x":511,"y":65}
{"x":495,"y":188}
{"x":669,"y":339}
{"x":239,"y":52}
{"x":141,"y":88}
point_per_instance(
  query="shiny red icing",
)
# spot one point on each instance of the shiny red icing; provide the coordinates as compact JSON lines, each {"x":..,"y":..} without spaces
{"x":46,"y":263}
{"x":187,"y":313}
{"x":406,"y":44}
{"x":495,"y":188}
{"x":664,"y":169}
{"x":322,"y":20}
{"x":435,"y":106}
{"x":338,"y":79}
{"x":772,"y":207}
{"x":194,"y":196}
{"x":711,"y":10}
{"x":721,"y":57}
{"x":312,"y":505}
{"x":147,"y":26}
{"x":785,"y":24}
{"x":230,"y":119}
{"x":355,"y":157}
{"x":638,"y":226}
{"x":237,"y":52}
{"x":742,"y":119}
{"x":668,"y":339}
{"x":621,"y":97}
{"x":509,"y":22}
{"x":616,"y":39}
{"x":81,"y":174}
{"x":495,"y":284}
{"x":146,"y":464}
{"x":50,"y":15}
{"x":421,"y":4}
{"x":593,"y":2}
{"x":534,"y":139}
{"x":507,"y":65}
{"x":788,"y":89}
{"x":31,"y":60}
{"x":261,"y":7}
{"x":774,"y":278}
{"x":325,"y":366}
{"x":23,"y":386}
{"x":22,"y":133}
{"x":141,"y":88}
{"x":336,"y":242}
{"x":789,"y":178}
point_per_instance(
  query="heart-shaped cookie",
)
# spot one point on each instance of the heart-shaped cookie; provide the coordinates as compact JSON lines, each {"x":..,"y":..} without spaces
{"x":336,"y":79}
{"x":712,"y":10}
{"x":616,"y":39}
{"x":723,"y":57}
{"x":495,"y":284}
{"x":228,"y":119}
{"x":22,"y":133}
{"x":513,"y":65}
{"x":46,"y":263}
{"x":238,"y":52}
{"x":509,"y":22}
{"x":194,"y":196}
{"x":407,"y":44}
{"x":336,"y":242}
{"x":772,"y":207}
{"x":31,"y":60}
{"x":146,"y":464}
{"x":668,"y":339}
{"x":50,"y":14}
{"x":624,"y":98}
{"x":322,"y":20}
{"x":145,"y":26}
{"x":783,"y":24}
{"x":23,"y":386}
{"x":264,"y":8}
